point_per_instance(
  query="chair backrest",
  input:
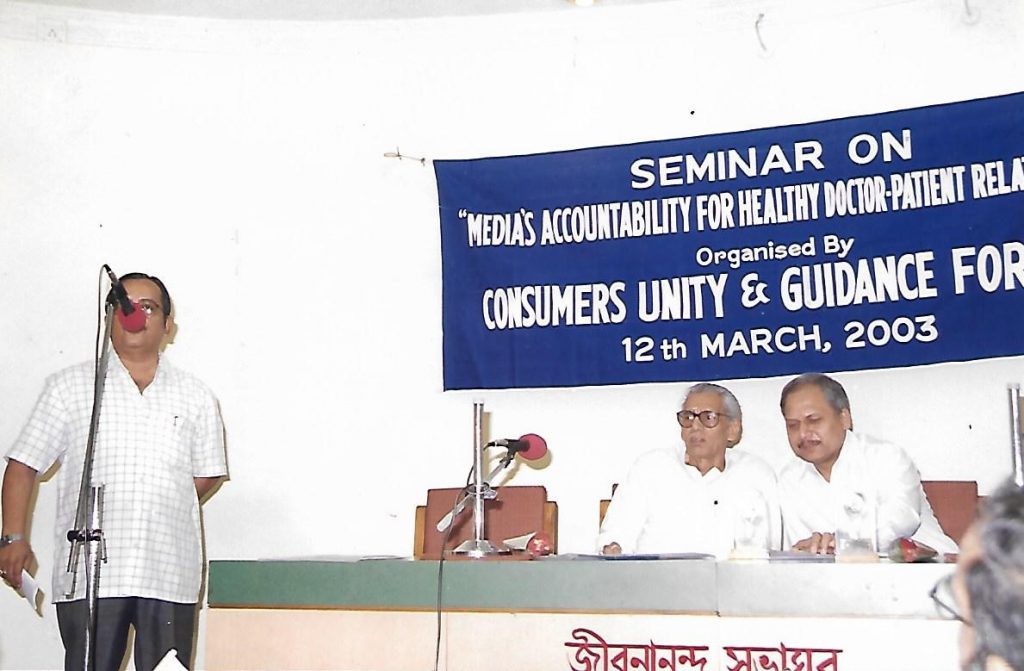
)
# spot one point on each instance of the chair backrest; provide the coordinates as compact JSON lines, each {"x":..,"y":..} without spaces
{"x":955,"y":503}
{"x":517,"y":511}
{"x":602,"y":505}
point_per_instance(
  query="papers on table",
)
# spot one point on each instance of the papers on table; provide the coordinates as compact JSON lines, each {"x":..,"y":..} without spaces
{"x":799,"y":556}
{"x":671,"y":556}
{"x":664,"y":555}
{"x":519,"y":542}
{"x":336,"y":558}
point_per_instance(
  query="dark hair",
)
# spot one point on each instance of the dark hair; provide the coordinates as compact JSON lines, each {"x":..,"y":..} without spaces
{"x":165,"y":296}
{"x":833,"y":391}
{"x":995,"y":583}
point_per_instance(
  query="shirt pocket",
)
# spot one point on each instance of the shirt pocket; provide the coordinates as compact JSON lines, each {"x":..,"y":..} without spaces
{"x":170,"y":439}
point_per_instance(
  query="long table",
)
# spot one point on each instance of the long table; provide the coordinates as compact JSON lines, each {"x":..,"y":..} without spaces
{"x":579,"y":614}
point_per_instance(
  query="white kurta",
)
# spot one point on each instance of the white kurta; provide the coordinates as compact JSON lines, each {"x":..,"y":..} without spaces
{"x":881,"y":473}
{"x":666,"y":506}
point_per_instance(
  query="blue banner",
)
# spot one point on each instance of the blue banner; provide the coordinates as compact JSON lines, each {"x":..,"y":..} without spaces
{"x":893,"y":239}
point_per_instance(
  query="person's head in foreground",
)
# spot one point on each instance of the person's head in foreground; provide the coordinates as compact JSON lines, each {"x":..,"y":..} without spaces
{"x":988,"y":586}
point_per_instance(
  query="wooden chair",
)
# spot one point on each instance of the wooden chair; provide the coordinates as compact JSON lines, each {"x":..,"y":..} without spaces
{"x":516,"y":511}
{"x":602,"y":506}
{"x":955,"y":503}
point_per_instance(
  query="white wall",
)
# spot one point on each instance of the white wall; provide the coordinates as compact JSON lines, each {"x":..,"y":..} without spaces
{"x":243,"y":163}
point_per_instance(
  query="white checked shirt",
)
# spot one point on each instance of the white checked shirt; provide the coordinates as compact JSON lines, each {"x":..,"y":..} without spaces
{"x":149,"y":446}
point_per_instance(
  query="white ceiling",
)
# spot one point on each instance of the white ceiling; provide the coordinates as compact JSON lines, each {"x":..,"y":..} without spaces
{"x":327,"y":10}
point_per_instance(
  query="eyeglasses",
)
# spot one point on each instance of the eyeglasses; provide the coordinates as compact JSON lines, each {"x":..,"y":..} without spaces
{"x":709,"y":418}
{"x":147,"y":306}
{"x":942,"y":594}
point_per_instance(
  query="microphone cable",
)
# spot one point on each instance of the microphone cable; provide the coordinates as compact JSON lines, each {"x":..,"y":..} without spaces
{"x":440,"y":568}
{"x":99,"y":323}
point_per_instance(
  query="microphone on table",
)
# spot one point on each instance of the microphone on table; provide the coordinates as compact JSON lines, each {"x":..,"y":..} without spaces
{"x":131,"y":318}
{"x":529,"y":447}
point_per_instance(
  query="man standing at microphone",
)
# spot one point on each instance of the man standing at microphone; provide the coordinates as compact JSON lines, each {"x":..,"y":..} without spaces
{"x":159,"y":450}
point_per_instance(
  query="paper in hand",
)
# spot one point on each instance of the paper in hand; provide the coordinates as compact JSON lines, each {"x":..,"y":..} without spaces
{"x":30,"y":590}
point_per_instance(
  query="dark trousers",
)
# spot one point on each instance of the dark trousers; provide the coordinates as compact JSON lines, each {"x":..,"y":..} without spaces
{"x":159,"y":626}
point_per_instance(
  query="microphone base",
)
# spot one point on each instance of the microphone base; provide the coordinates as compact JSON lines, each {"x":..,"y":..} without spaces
{"x":481,"y":548}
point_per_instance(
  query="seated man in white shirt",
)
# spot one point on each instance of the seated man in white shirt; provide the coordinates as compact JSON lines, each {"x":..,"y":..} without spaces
{"x":698,"y":496}
{"x":839,"y":475}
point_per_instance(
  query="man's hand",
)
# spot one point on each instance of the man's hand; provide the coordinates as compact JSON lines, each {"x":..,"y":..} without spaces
{"x":19,"y":481}
{"x":818,"y":543}
{"x":15,"y":558}
{"x":611,"y":549}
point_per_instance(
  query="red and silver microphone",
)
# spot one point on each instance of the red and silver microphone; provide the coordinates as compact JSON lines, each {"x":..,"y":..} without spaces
{"x":131,"y":318}
{"x":134,"y":321}
{"x":529,"y":446}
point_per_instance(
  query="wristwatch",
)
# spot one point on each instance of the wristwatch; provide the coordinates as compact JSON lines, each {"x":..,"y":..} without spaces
{"x":7,"y":539}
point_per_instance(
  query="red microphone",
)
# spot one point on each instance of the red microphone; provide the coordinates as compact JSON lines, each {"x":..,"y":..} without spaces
{"x":536,"y":447}
{"x":134,"y":321}
{"x":529,"y":446}
{"x":131,"y":318}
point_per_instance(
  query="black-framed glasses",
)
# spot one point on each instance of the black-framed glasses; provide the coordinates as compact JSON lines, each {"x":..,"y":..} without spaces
{"x":709,"y":418}
{"x":945,"y":604}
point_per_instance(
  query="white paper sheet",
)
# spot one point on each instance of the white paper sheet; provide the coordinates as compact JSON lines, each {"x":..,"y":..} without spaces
{"x":30,"y":590}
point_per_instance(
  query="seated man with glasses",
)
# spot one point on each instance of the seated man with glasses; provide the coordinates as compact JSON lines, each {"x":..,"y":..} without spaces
{"x":986,"y":593}
{"x":842,"y":481}
{"x":698,"y":496}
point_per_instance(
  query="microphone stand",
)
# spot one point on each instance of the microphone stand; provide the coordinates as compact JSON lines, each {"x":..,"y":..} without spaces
{"x":489,"y":493}
{"x":1015,"y":435}
{"x":478,"y":546}
{"x":88,"y":532}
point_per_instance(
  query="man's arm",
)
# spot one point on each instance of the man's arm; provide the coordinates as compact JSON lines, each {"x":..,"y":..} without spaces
{"x":899,"y":496}
{"x":620,"y":525}
{"x":624,"y":519}
{"x":203,"y":486}
{"x":208,"y":446}
{"x":19,"y":481}
{"x":802,"y":511}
